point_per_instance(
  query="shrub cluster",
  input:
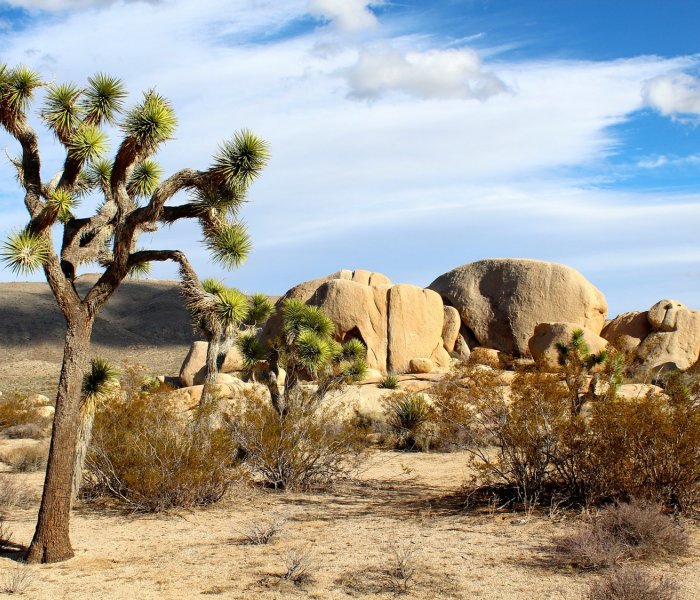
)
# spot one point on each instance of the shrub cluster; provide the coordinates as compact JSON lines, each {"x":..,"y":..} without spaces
{"x":305,"y":447}
{"x":20,"y":419}
{"x":532,"y":445}
{"x":149,"y":455}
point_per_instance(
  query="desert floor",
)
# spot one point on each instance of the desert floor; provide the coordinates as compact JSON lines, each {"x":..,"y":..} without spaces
{"x":398,"y":503}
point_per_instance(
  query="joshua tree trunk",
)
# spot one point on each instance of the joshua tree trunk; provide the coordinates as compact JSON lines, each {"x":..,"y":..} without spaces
{"x":87,"y":420}
{"x":51,"y":542}
{"x":208,"y":393}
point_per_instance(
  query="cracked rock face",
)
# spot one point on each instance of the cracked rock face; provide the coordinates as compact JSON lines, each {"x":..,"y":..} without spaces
{"x":502,"y":300}
{"x":397,"y":323}
{"x":674,"y":341}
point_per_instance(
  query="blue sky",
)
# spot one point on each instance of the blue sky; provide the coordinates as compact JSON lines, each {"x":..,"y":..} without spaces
{"x":411,"y":137}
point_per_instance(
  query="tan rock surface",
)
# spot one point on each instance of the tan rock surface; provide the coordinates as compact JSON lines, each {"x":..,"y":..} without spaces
{"x":450,"y":327}
{"x":627,"y":330}
{"x":675,"y":340}
{"x":502,"y":300}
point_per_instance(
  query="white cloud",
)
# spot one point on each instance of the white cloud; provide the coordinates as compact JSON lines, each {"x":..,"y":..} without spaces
{"x":441,"y":180}
{"x":662,"y":160}
{"x":346,"y":15}
{"x":673,"y":95}
{"x":453,"y":73}
{"x":59,"y":5}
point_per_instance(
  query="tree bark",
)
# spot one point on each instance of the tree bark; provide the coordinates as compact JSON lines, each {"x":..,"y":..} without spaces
{"x":51,"y":542}
{"x":212,"y":371}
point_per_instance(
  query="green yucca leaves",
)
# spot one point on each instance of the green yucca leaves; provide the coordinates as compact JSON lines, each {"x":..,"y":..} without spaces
{"x":87,"y":143}
{"x":103,"y":99}
{"x":144,"y":179}
{"x":298,"y":317}
{"x":312,"y":351}
{"x":151,"y":122}
{"x":211,"y":285}
{"x":250,"y":347}
{"x":355,"y":370}
{"x":220,"y":198}
{"x":231,"y":307}
{"x":24,"y":252}
{"x":354,"y":349}
{"x":140,"y":270}
{"x":240,"y":160}
{"x":62,"y":203}
{"x":61,"y":112}
{"x":230,"y":245}
{"x":99,"y":172}
{"x":17,"y":88}
{"x":259,"y":309}
{"x":99,"y":380}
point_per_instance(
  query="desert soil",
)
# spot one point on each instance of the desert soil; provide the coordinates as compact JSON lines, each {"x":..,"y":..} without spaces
{"x":398,"y":503}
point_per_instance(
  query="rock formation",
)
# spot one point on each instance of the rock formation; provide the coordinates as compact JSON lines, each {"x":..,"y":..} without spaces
{"x":501,"y":300}
{"x":543,"y":344}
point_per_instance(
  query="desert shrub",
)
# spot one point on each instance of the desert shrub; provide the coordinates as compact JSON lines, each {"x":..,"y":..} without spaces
{"x":389,"y":382}
{"x":306,"y":447}
{"x":17,"y":581}
{"x":409,"y":416}
{"x":401,"y":570}
{"x":27,"y":459}
{"x":532,"y":443}
{"x":298,"y":566}
{"x":263,"y":532}
{"x":149,"y":455}
{"x":626,"y":531}
{"x":18,"y":418}
{"x":632,"y":583}
{"x":14,"y":493}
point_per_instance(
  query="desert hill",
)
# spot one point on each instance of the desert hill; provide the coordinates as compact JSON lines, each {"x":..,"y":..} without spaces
{"x":144,"y":322}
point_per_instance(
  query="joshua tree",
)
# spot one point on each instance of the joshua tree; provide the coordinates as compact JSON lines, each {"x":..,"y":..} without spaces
{"x":99,"y":382}
{"x":221,"y":314}
{"x":132,"y":200}
{"x":305,"y":349}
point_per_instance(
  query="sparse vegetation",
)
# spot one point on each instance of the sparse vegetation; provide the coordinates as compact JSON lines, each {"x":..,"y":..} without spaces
{"x":409,"y":415}
{"x":298,"y":566}
{"x":27,"y":459}
{"x":14,"y":493}
{"x":632,"y":583}
{"x":626,"y":531}
{"x":17,"y":580}
{"x":263,"y":532}
{"x":151,"y":458}
{"x":389,"y":382}
{"x":307,"y":447}
{"x":20,"y":419}
{"x":400,"y":573}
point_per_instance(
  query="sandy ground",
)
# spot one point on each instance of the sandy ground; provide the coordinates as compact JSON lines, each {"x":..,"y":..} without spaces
{"x":400,"y":502}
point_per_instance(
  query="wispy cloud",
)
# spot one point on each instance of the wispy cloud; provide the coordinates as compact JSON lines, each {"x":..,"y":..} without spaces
{"x":346,"y":15}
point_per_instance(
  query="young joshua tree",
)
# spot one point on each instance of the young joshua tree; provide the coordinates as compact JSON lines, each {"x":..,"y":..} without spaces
{"x":221,"y":314}
{"x":133,"y":199}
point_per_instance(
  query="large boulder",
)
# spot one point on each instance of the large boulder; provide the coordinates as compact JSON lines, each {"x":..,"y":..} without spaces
{"x":396,"y":323}
{"x":450,"y":328}
{"x":547,"y":337}
{"x":193,"y":367}
{"x":627,"y":330}
{"x":501,"y":300}
{"x":674,"y":341}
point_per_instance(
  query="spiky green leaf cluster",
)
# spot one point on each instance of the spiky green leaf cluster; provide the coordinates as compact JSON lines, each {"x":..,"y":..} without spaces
{"x":221,"y":198}
{"x":353,"y":350}
{"x":240,"y":160}
{"x":87,"y":143}
{"x":298,"y":317}
{"x":61,"y":203}
{"x":251,"y":348}
{"x":99,"y":172}
{"x":17,"y":88}
{"x":100,"y":380}
{"x":144,"y":179}
{"x":259,"y":310}
{"x":140,"y":270}
{"x":211,"y":285}
{"x":24,"y":252}
{"x":151,"y":122}
{"x":229,"y":245}
{"x":103,"y":99}
{"x":312,"y":351}
{"x":231,"y":307}
{"x":61,"y":111}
